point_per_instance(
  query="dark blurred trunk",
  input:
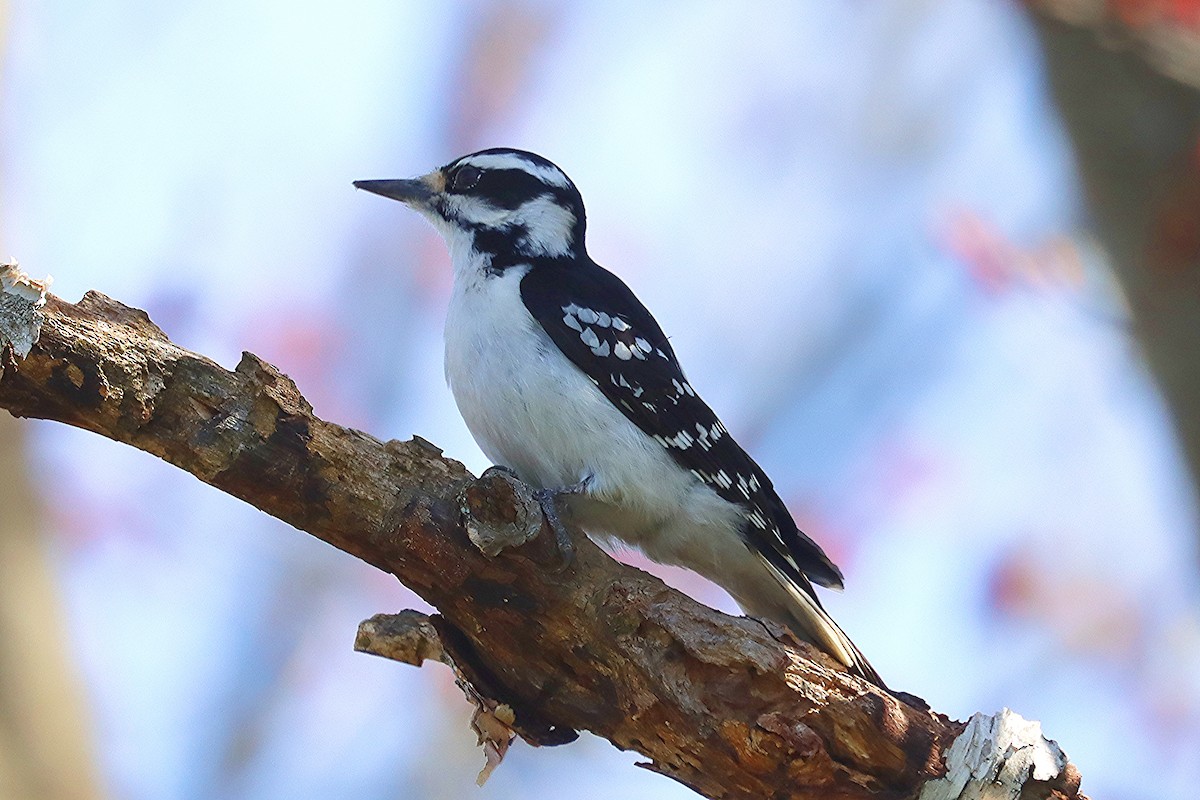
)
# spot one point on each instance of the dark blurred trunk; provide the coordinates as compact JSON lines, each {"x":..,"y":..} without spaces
{"x":44,"y":751}
{"x":1135,"y":135}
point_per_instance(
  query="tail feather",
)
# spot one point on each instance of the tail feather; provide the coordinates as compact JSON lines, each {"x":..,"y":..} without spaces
{"x":820,"y":628}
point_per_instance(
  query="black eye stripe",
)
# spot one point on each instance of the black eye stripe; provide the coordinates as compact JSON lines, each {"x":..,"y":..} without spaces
{"x":507,"y":187}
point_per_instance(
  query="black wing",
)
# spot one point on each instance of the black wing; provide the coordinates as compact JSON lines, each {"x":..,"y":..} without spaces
{"x":615,"y":341}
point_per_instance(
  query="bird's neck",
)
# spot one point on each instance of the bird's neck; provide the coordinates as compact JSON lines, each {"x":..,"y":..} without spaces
{"x":474,"y":265}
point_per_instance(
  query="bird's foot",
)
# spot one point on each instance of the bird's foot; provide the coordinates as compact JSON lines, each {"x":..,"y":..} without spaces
{"x":548,"y":500}
{"x":500,"y":468}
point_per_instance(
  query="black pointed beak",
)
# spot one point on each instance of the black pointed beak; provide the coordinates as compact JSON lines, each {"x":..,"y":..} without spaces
{"x":414,"y":192}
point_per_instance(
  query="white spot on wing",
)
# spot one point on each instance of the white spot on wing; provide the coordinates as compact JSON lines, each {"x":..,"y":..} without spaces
{"x":683,"y":440}
{"x":588,"y":316}
{"x":621,"y":351}
{"x":589,"y":338}
{"x":602,"y":350}
{"x":743,"y":486}
{"x":570,"y":321}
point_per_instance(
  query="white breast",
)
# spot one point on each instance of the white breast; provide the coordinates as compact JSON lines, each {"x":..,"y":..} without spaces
{"x":531,"y":409}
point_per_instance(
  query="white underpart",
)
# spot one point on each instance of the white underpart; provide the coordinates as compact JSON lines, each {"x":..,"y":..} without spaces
{"x":531,"y":409}
{"x":469,"y":265}
{"x":546,"y":174}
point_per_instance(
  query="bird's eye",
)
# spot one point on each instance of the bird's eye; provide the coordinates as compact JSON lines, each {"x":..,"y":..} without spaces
{"x":465,"y":178}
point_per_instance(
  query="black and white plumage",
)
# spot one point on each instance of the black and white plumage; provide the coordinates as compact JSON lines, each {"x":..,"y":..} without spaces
{"x":563,"y":375}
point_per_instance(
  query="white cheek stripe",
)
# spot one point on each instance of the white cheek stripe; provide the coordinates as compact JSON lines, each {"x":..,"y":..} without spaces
{"x":551,"y":175}
{"x":549,"y":227}
{"x":476,"y":211}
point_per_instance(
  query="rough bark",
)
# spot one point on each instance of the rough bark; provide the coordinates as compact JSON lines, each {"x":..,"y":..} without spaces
{"x":722,"y":704}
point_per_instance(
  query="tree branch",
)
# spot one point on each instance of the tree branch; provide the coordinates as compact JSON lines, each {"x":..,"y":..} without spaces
{"x":720,"y":703}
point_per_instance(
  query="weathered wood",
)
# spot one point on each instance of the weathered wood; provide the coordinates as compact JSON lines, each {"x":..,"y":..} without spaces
{"x":1002,"y":757}
{"x":723,"y":704}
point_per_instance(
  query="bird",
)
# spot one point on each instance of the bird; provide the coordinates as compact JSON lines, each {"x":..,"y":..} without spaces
{"x":565,"y":378}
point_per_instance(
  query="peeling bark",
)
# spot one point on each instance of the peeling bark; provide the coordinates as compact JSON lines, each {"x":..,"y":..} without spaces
{"x":723,"y":704}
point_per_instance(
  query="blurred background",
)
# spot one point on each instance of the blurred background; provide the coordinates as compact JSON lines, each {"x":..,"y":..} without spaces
{"x":936,"y":264}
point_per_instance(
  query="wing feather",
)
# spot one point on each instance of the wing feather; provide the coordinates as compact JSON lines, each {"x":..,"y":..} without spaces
{"x":614,"y":340}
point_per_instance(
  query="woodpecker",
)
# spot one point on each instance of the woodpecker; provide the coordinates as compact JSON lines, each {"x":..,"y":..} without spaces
{"x":564,"y":377}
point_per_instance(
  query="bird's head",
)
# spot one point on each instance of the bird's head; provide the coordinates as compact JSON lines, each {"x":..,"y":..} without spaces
{"x":502,"y":205}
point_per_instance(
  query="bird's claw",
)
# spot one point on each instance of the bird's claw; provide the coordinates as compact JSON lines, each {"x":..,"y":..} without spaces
{"x":548,"y":500}
{"x":503,"y":470}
